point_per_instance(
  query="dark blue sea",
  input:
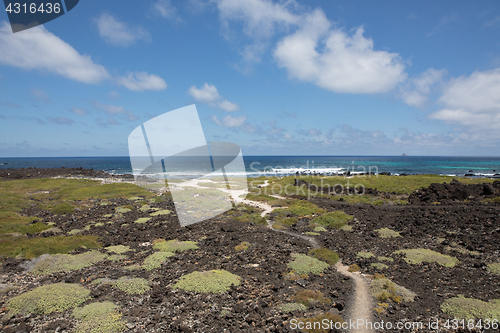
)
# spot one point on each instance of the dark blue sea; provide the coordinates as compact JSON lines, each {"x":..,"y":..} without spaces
{"x":258,"y":165}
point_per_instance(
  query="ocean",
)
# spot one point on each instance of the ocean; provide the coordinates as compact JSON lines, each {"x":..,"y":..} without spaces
{"x":282,"y":165}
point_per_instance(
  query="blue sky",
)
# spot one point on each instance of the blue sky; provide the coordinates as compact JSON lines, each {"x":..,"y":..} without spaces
{"x":276,"y":77}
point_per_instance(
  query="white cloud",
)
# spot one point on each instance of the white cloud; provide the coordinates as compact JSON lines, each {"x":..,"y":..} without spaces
{"x":113,"y":110}
{"x":119,"y":33}
{"x":79,"y":111}
{"x":473,"y":101}
{"x":209,"y":95}
{"x":346,"y":64}
{"x":416,"y":90}
{"x":166,"y":10}
{"x":140,"y":81}
{"x":38,"y":49}
{"x":230,"y":121}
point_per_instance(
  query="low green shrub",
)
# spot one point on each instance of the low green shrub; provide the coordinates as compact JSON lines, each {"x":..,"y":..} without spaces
{"x":365,"y":255}
{"x":174,"y":245}
{"x":417,"y":256}
{"x":327,"y":255}
{"x":383,"y":289}
{"x":336,"y":219}
{"x":120,"y":249}
{"x":161,"y":212}
{"x":382,"y":258}
{"x":48,"y":264}
{"x":470,"y":308}
{"x":310,"y":233}
{"x":99,"y":317}
{"x":387,"y":233}
{"x":155,"y":260}
{"x":307,"y":297}
{"x":243,"y":246}
{"x":379,"y":265}
{"x":63,"y":208}
{"x":214,"y":281}
{"x":353,"y":268}
{"x":132,"y":285}
{"x":494,"y":268}
{"x":303,"y":264}
{"x":314,"y":324}
{"x":50,"y":298}
{"x":319,"y":229}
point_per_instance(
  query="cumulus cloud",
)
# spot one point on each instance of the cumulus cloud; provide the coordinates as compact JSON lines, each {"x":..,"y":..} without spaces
{"x":140,"y":81}
{"x":334,"y":60}
{"x":416,"y":90}
{"x":113,"y":110}
{"x":230,"y":121}
{"x":472,"y":101}
{"x":61,"y":120}
{"x":119,"y":33}
{"x":209,"y":95}
{"x":38,"y":49}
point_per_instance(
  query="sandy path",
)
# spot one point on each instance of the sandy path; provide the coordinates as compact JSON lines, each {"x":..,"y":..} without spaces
{"x":361,"y":305}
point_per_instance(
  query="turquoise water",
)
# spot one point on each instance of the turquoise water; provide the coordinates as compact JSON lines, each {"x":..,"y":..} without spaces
{"x":255,"y":165}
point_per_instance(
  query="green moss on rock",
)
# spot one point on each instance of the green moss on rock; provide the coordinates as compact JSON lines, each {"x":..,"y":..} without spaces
{"x":326,"y":255}
{"x":303,"y":264}
{"x":120,"y":249}
{"x":365,"y":255}
{"x":142,"y":220}
{"x":214,"y":281}
{"x":50,"y":298}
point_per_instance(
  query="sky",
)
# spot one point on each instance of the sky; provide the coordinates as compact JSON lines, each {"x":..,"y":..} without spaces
{"x":275,"y":77}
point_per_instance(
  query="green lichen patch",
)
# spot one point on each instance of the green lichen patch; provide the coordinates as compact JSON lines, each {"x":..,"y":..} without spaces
{"x":161,"y":212}
{"x":50,"y":298}
{"x":326,"y":255}
{"x":379,"y":265}
{"x":303,"y":264}
{"x":214,"y":281}
{"x":132,"y":285}
{"x":135,"y":198}
{"x":290,"y":307}
{"x":365,"y":255}
{"x":384,"y":289}
{"x":336,"y":219}
{"x":494,"y":268}
{"x":48,"y":264}
{"x":387,"y":233}
{"x":174,"y":245}
{"x":470,"y":308}
{"x":418,"y":256}
{"x":346,"y":228}
{"x":100,"y":317}
{"x":319,"y":229}
{"x":382,"y":258}
{"x":310,"y":233}
{"x":120,"y":249}
{"x":308,"y":297}
{"x":142,"y":220}
{"x":155,"y":260}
